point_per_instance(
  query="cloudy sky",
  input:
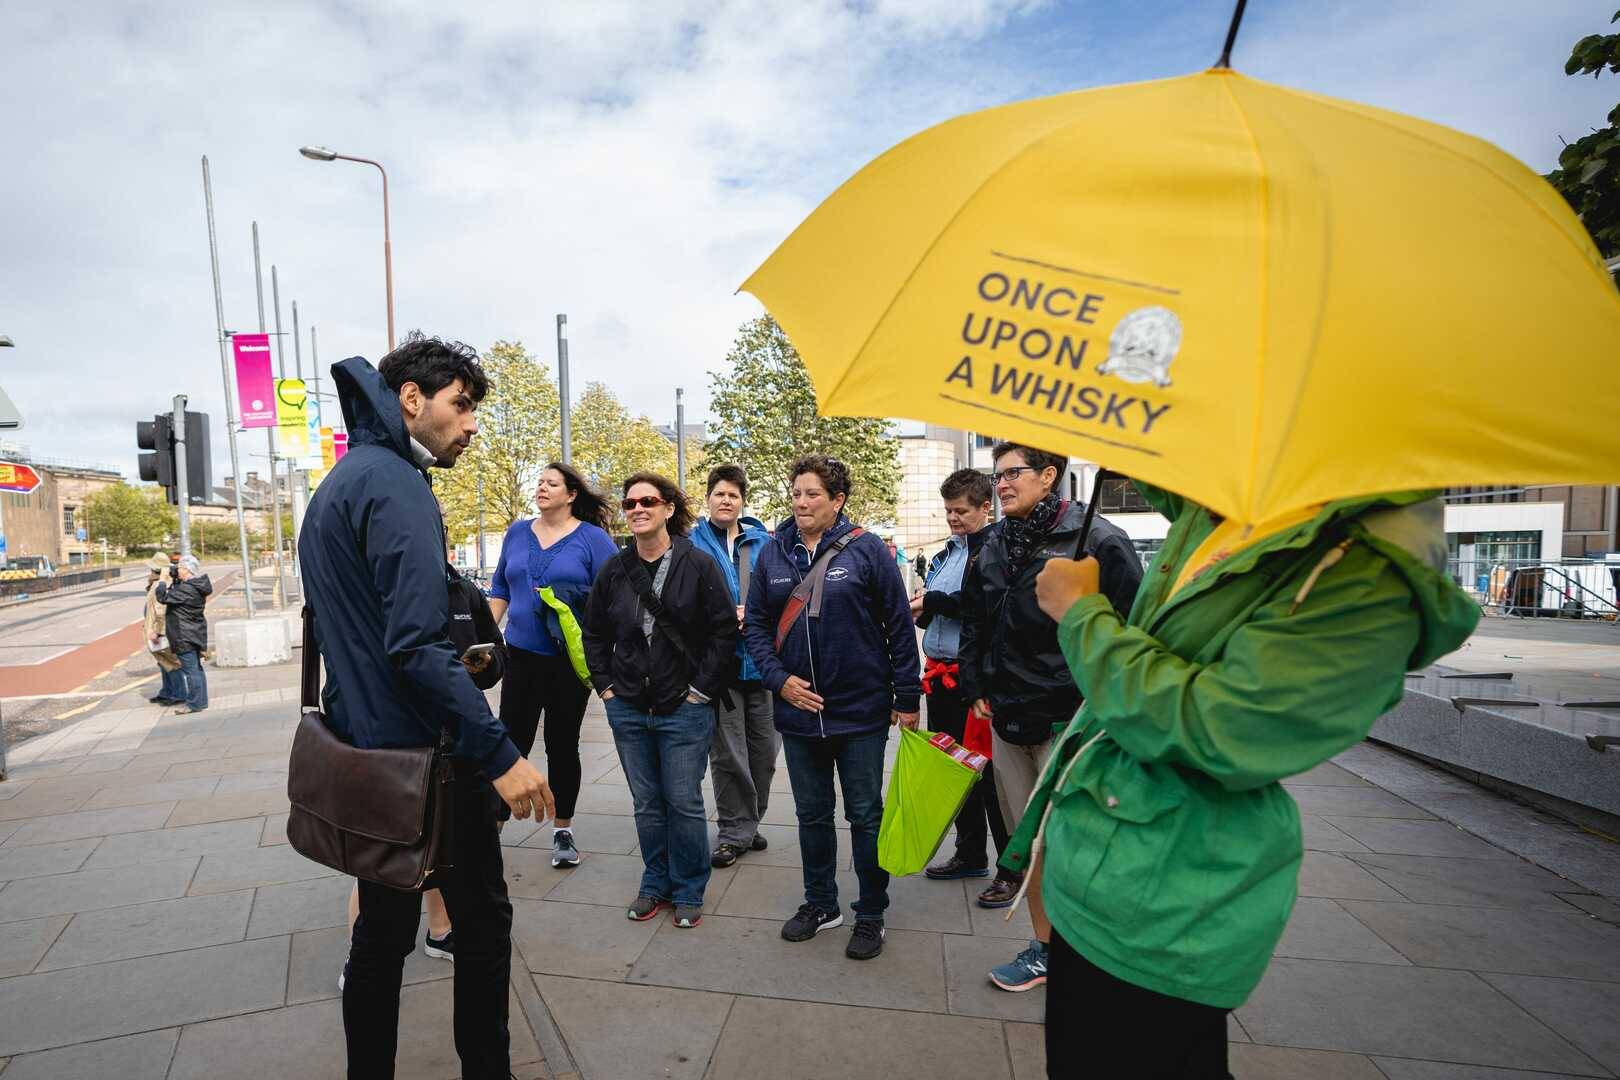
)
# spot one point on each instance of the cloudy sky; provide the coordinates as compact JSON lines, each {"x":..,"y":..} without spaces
{"x":626,"y":163}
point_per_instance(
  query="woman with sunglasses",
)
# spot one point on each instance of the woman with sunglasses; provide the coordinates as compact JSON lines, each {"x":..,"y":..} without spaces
{"x":660,"y":639}
{"x":562,"y":549}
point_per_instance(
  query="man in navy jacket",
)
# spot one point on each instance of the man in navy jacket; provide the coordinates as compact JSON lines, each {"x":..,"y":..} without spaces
{"x":372,"y":556}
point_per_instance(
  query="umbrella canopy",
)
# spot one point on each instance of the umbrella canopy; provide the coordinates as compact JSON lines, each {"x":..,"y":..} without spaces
{"x":1260,"y":298}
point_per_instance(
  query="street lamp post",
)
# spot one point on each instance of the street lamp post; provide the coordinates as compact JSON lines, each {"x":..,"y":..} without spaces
{"x":321,"y":153}
{"x":5,"y":343}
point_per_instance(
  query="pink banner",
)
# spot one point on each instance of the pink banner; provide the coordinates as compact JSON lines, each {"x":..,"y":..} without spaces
{"x":255,"y":388}
{"x":340,"y":445}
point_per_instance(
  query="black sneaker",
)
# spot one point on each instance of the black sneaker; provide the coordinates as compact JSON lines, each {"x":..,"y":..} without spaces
{"x":724,"y":856}
{"x":441,"y":948}
{"x":867,"y":940}
{"x":759,"y":843}
{"x":161,"y":700}
{"x":809,"y":922}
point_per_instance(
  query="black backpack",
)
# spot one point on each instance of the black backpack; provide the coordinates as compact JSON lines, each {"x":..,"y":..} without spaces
{"x":472,"y":623}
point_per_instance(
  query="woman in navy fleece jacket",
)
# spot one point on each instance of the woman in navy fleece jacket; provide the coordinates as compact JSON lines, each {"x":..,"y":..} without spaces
{"x":840,"y":680}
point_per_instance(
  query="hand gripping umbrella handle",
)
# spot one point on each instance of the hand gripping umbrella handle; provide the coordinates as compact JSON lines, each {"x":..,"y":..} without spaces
{"x":1091,"y":512}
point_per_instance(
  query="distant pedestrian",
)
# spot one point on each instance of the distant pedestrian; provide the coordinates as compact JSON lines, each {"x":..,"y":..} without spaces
{"x":939,"y":611}
{"x":172,"y":685}
{"x":841,"y":657}
{"x":562,"y":549}
{"x":1012,"y":666}
{"x":742,"y":760}
{"x":372,"y":557}
{"x":185,"y":598}
{"x":660,"y":636}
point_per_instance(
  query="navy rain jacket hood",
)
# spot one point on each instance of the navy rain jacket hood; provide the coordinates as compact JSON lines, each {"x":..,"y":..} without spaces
{"x":860,"y":655}
{"x":372,"y":553}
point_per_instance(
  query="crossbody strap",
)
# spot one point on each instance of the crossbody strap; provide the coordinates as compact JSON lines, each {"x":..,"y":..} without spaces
{"x":310,"y":683}
{"x":807,"y":593}
{"x":666,"y":622}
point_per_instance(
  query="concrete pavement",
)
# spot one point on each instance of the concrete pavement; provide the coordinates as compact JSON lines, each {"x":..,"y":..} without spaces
{"x":154,"y":924}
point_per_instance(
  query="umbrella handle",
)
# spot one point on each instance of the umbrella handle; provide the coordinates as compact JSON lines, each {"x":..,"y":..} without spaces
{"x":1091,"y":512}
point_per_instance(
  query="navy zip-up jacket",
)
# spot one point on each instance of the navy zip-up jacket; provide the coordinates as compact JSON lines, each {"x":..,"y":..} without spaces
{"x":372,"y":561}
{"x":860,"y":655}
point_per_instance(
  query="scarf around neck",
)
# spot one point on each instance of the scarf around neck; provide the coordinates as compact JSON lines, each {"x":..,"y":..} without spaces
{"x":1024,"y":535}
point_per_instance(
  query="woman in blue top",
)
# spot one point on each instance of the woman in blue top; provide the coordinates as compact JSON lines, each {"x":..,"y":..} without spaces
{"x":563,"y":548}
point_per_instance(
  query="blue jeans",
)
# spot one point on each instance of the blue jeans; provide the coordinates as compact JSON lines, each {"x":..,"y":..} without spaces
{"x":172,"y":685}
{"x":196,"y":682}
{"x":664,"y":758}
{"x":859,"y":760}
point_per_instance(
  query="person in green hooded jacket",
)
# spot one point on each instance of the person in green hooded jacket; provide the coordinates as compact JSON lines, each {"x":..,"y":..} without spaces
{"x":1166,"y":850}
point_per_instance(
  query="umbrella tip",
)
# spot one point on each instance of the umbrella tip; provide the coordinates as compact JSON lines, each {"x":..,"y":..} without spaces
{"x":1231,"y":35}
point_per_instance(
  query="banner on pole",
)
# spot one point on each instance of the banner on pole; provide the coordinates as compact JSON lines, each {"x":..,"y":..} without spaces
{"x":292,"y":421}
{"x":328,"y":448}
{"x":312,"y":410}
{"x":340,"y":445}
{"x":255,"y":387}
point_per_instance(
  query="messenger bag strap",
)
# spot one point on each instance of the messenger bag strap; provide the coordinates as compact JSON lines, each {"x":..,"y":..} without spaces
{"x":744,"y":571}
{"x":639,"y":581}
{"x":807,"y":593}
{"x":310,"y":687}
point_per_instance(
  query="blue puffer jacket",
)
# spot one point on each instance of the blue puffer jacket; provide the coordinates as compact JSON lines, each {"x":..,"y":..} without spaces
{"x":372,"y":558}
{"x":752,"y":539}
{"x":860,"y":655}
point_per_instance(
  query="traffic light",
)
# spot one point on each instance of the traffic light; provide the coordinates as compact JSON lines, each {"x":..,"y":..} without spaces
{"x":199,"y":462}
{"x":157,"y":436}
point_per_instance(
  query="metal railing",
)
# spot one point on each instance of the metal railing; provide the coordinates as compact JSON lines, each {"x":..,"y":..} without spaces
{"x":1526,"y":588}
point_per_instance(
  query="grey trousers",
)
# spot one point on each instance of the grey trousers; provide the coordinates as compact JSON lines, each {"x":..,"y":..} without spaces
{"x":742,"y":760}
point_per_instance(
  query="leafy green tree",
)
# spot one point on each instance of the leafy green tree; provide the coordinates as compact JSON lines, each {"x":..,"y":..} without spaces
{"x":765,"y":416}
{"x":610,"y":443}
{"x":518,"y":433}
{"x":217,"y":539}
{"x":129,"y":517}
{"x":1588,"y":173}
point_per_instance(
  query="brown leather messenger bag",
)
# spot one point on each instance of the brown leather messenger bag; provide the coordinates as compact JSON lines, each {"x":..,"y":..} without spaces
{"x":380,"y":815}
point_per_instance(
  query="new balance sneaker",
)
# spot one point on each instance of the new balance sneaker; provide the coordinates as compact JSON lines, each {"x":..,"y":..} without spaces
{"x":441,"y":948}
{"x":563,"y":851}
{"x":953,"y":869}
{"x":867,"y":940}
{"x":645,"y":907}
{"x":759,"y":843}
{"x":1000,"y":894}
{"x":809,"y":922}
{"x":687,"y":916}
{"x":724,"y":855}
{"x":1023,"y":972}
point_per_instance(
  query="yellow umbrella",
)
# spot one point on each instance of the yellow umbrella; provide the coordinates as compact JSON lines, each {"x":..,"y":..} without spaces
{"x":1261,"y":298}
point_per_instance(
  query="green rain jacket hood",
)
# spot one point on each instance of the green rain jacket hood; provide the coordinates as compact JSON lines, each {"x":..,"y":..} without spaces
{"x":1172,"y":853}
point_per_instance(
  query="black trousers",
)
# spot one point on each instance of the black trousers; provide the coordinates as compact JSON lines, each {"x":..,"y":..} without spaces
{"x":1097,"y":1025}
{"x":474,"y":891}
{"x":536,"y":684}
{"x":947,"y":712}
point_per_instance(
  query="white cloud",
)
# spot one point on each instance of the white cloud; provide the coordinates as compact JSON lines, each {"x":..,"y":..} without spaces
{"x":626,"y":163}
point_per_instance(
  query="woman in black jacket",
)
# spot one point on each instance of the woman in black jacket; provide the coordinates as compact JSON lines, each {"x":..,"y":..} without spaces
{"x":660,"y":639}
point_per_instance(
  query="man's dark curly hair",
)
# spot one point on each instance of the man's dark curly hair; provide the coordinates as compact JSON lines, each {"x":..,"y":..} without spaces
{"x":433,"y":364}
